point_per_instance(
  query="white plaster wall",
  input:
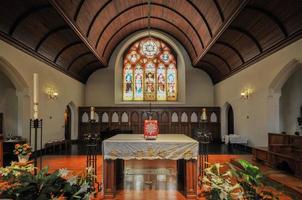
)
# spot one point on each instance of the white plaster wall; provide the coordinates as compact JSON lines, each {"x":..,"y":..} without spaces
{"x":252,"y":117}
{"x":290,"y":103}
{"x":51,"y":111}
{"x":104,"y":87}
{"x":8,"y":105}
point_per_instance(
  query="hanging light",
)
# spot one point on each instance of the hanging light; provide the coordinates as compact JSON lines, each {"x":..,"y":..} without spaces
{"x":149,"y":19}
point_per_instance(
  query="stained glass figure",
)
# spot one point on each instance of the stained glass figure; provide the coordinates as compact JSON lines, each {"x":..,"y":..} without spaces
{"x":149,"y":72}
{"x":161,"y":82}
{"x":128,"y":82}
{"x":138,"y":79}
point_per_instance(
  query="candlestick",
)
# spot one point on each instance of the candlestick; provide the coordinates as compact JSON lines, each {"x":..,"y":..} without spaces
{"x":91,"y":113}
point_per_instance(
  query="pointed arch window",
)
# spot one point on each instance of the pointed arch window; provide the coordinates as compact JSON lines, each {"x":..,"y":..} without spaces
{"x":149,"y":72}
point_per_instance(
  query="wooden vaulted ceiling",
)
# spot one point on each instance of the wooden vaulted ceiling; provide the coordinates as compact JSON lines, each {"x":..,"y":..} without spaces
{"x":220,"y":36}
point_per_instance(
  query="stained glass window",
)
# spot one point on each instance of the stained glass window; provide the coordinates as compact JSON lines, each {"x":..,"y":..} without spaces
{"x":149,"y":72}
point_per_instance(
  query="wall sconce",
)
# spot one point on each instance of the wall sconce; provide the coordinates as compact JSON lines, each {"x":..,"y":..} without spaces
{"x":246,"y":94}
{"x":52,"y":94}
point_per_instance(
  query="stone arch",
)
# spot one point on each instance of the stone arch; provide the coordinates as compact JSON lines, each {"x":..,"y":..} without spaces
{"x":22,"y":92}
{"x":74,"y":120}
{"x":274,"y":94}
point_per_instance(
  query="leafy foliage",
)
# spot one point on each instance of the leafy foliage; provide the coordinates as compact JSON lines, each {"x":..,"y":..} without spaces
{"x":44,"y":185}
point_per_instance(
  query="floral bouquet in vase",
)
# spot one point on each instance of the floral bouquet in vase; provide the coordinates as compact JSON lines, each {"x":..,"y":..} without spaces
{"x":23,"y":151}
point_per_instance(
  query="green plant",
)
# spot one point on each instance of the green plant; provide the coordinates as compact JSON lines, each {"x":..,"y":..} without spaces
{"x":218,"y":185}
{"x":60,"y":184}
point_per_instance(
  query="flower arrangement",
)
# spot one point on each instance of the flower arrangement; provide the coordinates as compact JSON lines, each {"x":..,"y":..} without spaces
{"x":243,"y":181}
{"x":22,"y":149}
{"x":20,"y":183}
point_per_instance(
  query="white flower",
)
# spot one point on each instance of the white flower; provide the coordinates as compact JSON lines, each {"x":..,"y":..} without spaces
{"x":72,"y":180}
{"x":63,"y":172}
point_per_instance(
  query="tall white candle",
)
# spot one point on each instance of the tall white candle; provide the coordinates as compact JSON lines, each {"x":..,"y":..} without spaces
{"x":36,"y":94}
{"x":36,"y":88}
{"x":91,"y":113}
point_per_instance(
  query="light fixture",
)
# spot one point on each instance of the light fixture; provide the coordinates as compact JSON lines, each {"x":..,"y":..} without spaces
{"x":52,"y":94}
{"x":246,"y":94}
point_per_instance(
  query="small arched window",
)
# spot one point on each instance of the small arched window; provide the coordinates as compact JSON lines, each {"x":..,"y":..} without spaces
{"x":149,"y":72}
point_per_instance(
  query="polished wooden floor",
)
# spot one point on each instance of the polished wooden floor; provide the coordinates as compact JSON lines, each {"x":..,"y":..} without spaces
{"x":137,"y":185}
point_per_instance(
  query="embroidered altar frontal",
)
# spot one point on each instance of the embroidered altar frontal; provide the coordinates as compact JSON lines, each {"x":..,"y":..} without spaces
{"x":166,"y":146}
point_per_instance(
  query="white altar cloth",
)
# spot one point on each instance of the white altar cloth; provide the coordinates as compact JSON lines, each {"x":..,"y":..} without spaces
{"x":166,"y":146}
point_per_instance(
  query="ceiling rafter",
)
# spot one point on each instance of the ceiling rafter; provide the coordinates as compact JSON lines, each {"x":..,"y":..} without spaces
{"x":226,"y":24}
{"x":78,"y":10}
{"x":152,"y":17}
{"x":271,"y":16}
{"x":95,"y":16}
{"x":219,"y":10}
{"x":232,"y":48}
{"x":146,"y":4}
{"x":249,"y":35}
{"x":65,"y":48}
{"x":221,"y":58}
{"x":77,"y":58}
{"x":202,"y":16}
{"x":48,"y":34}
{"x":26,"y":14}
{"x":74,"y":27}
{"x":87,"y":65}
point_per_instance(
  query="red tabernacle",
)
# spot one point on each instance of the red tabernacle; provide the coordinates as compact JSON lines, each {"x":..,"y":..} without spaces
{"x":150,"y":129}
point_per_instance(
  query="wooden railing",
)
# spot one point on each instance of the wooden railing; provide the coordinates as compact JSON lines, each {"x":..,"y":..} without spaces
{"x":172,"y":120}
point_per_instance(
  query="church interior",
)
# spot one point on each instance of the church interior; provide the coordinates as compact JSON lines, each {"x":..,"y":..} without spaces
{"x":151,"y":99}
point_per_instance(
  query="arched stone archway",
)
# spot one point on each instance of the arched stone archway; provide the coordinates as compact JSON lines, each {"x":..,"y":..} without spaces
{"x":22,"y":93}
{"x":74,"y":120}
{"x":275,"y":94}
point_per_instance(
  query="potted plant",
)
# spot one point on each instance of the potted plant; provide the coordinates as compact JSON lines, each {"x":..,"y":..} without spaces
{"x":23,"y":151}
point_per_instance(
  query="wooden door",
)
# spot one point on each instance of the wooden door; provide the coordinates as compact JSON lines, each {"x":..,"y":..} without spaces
{"x":67,"y":123}
{"x":230,"y":120}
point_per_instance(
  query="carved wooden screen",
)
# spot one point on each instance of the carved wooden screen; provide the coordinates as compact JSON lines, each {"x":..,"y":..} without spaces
{"x":149,"y":72}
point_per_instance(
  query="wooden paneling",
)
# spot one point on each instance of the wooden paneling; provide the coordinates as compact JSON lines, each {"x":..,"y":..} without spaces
{"x":168,"y":123}
{"x":282,"y":150}
{"x":36,"y":28}
{"x":261,"y":28}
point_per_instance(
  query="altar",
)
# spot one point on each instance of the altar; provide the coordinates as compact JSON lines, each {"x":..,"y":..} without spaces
{"x":177,"y":147}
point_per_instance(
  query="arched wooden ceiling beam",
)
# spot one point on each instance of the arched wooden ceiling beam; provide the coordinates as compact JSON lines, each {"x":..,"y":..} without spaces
{"x":249,"y":35}
{"x":65,"y":48}
{"x":156,"y":4}
{"x":49,"y":33}
{"x":212,"y":66}
{"x":78,"y":10}
{"x":85,"y":67}
{"x":77,"y":58}
{"x":221,"y":58}
{"x":152,"y":28}
{"x":232,"y":48}
{"x":95,"y":16}
{"x":271,"y":16}
{"x":25,"y":15}
{"x":219,"y":10}
{"x":202,"y":16}
{"x":141,"y":18}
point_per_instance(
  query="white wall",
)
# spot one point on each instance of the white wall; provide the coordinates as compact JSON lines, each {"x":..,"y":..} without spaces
{"x":290,"y":103}
{"x":51,"y":111}
{"x":253,"y":118}
{"x":104,"y":87}
{"x":8,"y":105}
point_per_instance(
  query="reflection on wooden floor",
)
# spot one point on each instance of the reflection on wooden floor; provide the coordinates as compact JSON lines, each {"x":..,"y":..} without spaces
{"x":144,"y":179}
